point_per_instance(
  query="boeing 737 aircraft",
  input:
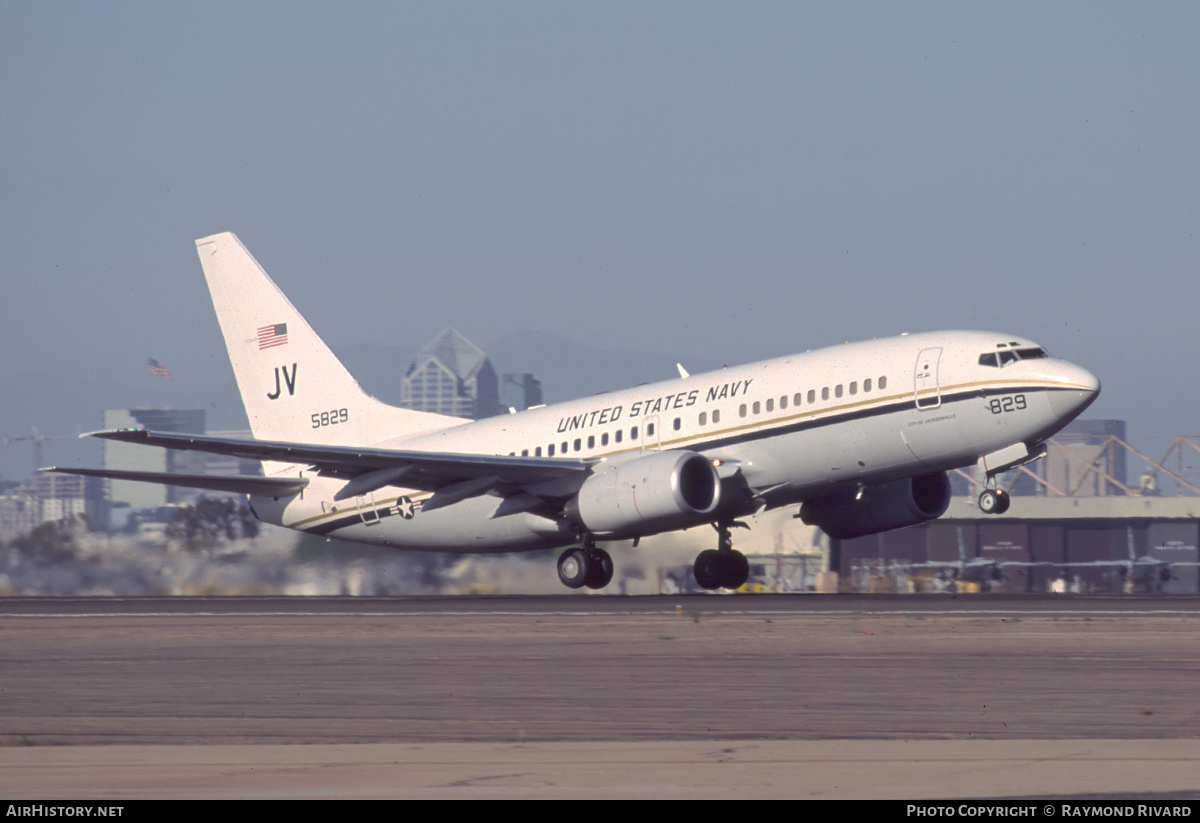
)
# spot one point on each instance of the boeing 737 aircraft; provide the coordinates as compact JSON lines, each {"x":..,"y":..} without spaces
{"x":858,"y":436}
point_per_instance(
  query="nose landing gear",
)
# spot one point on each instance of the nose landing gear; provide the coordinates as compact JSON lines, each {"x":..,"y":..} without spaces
{"x":994,"y":501}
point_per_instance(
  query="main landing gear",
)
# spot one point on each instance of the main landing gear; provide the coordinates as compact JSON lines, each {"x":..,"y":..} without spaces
{"x":585,"y":565}
{"x":722,"y":567}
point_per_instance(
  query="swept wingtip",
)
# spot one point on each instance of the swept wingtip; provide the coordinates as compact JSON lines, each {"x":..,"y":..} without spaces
{"x":110,"y":433}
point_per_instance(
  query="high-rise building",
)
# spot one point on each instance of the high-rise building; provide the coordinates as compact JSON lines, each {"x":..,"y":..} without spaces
{"x":134,"y":457}
{"x":520,"y":391}
{"x":452,"y":376}
{"x":48,"y":497}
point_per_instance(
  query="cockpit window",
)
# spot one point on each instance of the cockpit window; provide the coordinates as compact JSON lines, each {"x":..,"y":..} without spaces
{"x":1002,"y":358}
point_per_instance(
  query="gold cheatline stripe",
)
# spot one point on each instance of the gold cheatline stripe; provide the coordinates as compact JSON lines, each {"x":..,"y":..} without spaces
{"x":420,"y":495}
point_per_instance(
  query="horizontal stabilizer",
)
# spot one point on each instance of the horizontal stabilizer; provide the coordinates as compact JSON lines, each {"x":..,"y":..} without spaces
{"x":239,"y":484}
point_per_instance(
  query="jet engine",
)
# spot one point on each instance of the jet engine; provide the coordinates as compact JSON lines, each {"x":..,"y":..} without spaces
{"x":879,"y":508}
{"x":655,"y":492}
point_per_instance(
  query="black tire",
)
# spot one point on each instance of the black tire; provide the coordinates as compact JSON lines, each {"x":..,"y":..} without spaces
{"x":989,"y":502}
{"x":600,"y":573}
{"x":574,"y":566}
{"x":1003,"y":501}
{"x":709,"y":570}
{"x":737,"y":570}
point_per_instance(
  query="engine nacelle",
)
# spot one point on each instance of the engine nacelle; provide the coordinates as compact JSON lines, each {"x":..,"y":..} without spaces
{"x":880,"y":508}
{"x":655,"y":492}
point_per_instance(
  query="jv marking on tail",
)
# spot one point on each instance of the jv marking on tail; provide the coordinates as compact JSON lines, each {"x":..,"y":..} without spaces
{"x":289,"y":379}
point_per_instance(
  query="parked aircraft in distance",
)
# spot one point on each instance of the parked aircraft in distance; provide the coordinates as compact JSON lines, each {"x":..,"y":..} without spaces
{"x":858,"y":436}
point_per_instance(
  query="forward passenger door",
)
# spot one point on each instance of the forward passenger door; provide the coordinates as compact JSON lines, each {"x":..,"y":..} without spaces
{"x":926,"y":389}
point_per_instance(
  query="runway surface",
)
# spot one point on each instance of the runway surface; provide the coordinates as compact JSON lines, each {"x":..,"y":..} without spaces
{"x":506,"y":681}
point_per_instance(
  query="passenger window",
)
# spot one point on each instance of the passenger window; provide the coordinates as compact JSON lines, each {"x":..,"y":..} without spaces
{"x":812,"y":396}
{"x":838,"y":390}
{"x":783,"y":402}
{"x":771,"y":404}
{"x":825,"y":393}
{"x":716,"y":415}
{"x":591,"y":441}
{"x":564,"y":448}
{"x":649,"y":429}
{"x":633,"y":433}
{"x":867,"y":385}
{"x":537,"y":452}
{"x":524,"y":452}
{"x":604,"y":439}
{"x":703,"y":418}
{"x":854,"y":387}
{"x":578,"y":444}
{"x":676,"y":424}
{"x":757,"y":407}
{"x":550,"y":450}
{"x":620,"y":433}
{"x":882,"y":383}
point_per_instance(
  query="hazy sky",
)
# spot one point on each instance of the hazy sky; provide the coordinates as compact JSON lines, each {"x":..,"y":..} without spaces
{"x":735,"y":181}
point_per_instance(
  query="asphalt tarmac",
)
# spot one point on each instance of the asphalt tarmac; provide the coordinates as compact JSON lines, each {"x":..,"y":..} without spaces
{"x":577,"y":696}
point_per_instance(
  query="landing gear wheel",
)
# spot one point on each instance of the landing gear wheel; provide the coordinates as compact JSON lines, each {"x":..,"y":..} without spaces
{"x":574,"y":566}
{"x":1004,"y":501}
{"x":994,"y":501}
{"x":989,"y":502}
{"x":737,"y":570}
{"x":721,"y":569}
{"x":709,"y":569}
{"x":600,"y":569}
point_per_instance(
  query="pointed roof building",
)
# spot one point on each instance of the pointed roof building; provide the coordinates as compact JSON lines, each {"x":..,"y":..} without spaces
{"x":452,"y":376}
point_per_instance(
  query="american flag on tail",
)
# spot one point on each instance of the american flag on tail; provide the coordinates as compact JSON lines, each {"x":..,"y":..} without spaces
{"x":272,"y":335}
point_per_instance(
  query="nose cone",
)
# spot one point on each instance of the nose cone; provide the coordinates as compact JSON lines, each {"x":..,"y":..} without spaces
{"x":1080,"y":388}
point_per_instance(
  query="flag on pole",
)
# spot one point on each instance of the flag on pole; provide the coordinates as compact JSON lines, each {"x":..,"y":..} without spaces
{"x":158,"y":369}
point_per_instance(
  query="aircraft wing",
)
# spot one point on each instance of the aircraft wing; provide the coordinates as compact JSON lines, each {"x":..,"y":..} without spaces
{"x":367,"y":469}
{"x":237,"y":484}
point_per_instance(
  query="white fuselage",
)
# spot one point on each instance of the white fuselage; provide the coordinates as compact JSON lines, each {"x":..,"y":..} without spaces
{"x":796,"y":427}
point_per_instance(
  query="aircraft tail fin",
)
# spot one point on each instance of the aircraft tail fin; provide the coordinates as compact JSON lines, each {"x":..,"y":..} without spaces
{"x":293,"y":387}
